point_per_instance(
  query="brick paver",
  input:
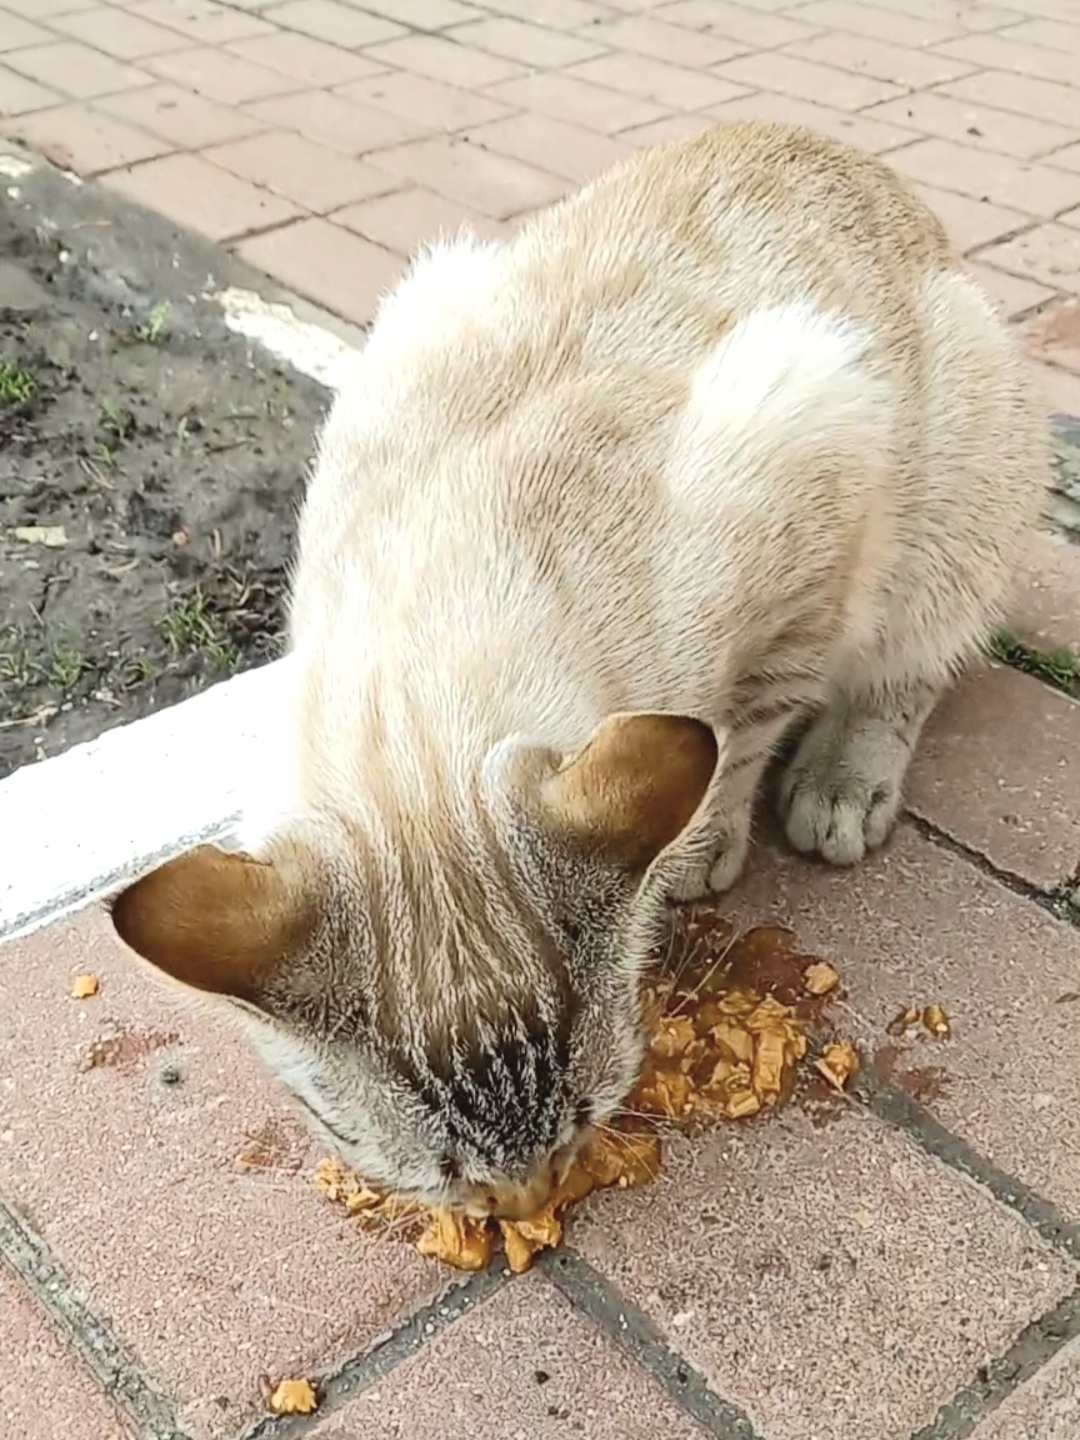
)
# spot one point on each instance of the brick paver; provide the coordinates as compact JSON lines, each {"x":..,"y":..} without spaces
{"x":839,"y":1272}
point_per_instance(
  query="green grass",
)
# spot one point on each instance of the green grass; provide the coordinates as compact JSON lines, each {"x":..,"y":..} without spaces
{"x":16,"y":385}
{"x":1059,"y":668}
{"x":190,"y":624}
{"x":154,"y":327}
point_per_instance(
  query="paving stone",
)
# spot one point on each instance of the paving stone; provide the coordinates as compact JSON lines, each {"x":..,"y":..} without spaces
{"x":859,"y":55}
{"x":428,"y":14}
{"x":425,"y":102}
{"x":335,"y":23}
{"x":573,"y":100}
{"x":669,"y":85}
{"x":1027,"y":96}
{"x":203,"y":21}
{"x":213,"y":72}
{"x":1047,"y":253}
{"x":806,"y":1271}
{"x":344,"y":272}
{"x":84,"y":140}
{"x":805,"y":80}
{"x":180,"y":116}
{"x":915,"y":925}
{"x":193,"y":192}
{"x":555,"y":14}
{"x":1046,"y":1408}
{"x":76,"y":70}
{"x":653,"y":37}
{"x":877,"y":23}
{"x":1023,"y":185}
{"x":971,"y":223}
{"x":18,"y":96}
{"x":525,"y":1363}
{"x":342,"y":124}
{"x":312,"y":176}
{"x":133,"y":38}
{"x":755,"y":29}
{"x":999,"y":768}
{"x":532,"y":45}
{"x":1054,"y":336}
{"x":404,"y":220}
{"x":303,"y":58}
{"x":1003,"y":52}
{"x":437,"y":58}
{"x":663,"y":132}
{"x":851,"y":129}
{"x":979,"y":126}
{"x":493,"y":184}
{"x":209,"y":1274}
{"x":16,"y":32}
{"x":567,"y":150}
{"x":1014,"y":296}
{"x":1046,"y":612}
{"x":45,"y":1392}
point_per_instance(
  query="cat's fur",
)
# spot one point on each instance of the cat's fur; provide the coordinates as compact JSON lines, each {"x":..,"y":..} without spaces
{"x":726,"y":436}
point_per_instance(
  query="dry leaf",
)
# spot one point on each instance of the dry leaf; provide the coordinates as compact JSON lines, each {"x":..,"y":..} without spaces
{"x":937,"y":1022}
{"x":839,"y":1063}
{"x":83,"y":986}
{"x":293,"y":1397}
{"x":820,"y":978}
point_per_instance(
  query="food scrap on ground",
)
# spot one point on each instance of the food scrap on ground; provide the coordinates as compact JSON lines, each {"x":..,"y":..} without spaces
{"x":905,"y":1020}
{"x":728,"y":1023}
{"x":293,"y":1397}
{"x":83,"y":986}
{"x":937,"y":1022}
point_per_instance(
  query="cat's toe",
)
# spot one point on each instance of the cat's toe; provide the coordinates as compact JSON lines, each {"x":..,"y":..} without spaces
{"x":840,"y":820}
{"x":728,"y":864}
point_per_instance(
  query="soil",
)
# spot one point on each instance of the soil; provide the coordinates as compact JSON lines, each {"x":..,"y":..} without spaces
{"x":150,"y":469}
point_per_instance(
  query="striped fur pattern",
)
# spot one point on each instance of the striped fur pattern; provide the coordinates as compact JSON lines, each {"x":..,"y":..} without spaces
{"x":726,"y":436}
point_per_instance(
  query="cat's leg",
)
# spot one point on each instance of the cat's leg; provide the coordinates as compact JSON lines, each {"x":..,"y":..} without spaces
{"x":842,"y":790}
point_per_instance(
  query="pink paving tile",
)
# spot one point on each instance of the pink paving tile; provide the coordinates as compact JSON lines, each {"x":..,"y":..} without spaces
{"x":313,"y":176}
{"x":333,"y":22}
{"x":852,"y":129}
{"x":220,"y":76}
{"x":1001,"y":52}
{"x":1037,"y":99}
{"x":1046,"y":1408}
{"x":912,"y":925}
{"x":43,"y":9}
{"x":804,"y":80}
{"x":334,"y":120}
{"x":305,"y":59}
{"x":424,"y":102}
{"x":663,"y":132}
{"x":203,"y":21}
{"x":326,"y":263}
{"x":645,"y":35}
{"x":1053,"y":34}
{"x":805,"y":1270}
{"x":1054,"y":335}
{"x":84,"y":140}
{"x":566,"y":150}
{"x":129,"y":38}
{"x":192,"y":192}
{"x":1015,"y":296}
{"x":129,"y":1168}
{"x":181,"y":117}
{"x":18,"y":96}
{"x":1059,"y":390}
{"x":438,"y":58}
{"x":1067,"y":158}
{"x":525,"y":1363}
{"x":877,"y":23}
{"x":856,"y":54}
{"x":432,"y":15}
{"x":971,"y":223}
{"x":1046,"y":611}
{"x":1022,"y":184}
{"x":45,"y":1392}
{"x":76,"y":70}
{"x":493,"y":184}
{"x":972,"y":124}
{"x":975,"y":17}
{"x":999,"y":769}
{"x":402,"y":221}
{"x":754,"y":29}
{"x":1049,"y":254}
{"x":532,"y":45}
{"x":16,"y":32}
{"x":669,"y":85}
{"x":579,"y":103}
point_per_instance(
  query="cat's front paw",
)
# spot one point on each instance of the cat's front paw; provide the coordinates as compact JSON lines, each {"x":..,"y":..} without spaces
{"x":839,"y":806}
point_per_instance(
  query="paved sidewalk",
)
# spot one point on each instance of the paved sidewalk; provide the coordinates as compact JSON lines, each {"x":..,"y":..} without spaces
{"x":911,"y":1269}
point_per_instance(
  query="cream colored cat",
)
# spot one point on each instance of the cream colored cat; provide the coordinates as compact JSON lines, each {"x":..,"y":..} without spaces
{"x":724,"y":438}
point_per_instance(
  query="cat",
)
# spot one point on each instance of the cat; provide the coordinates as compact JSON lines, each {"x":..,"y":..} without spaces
{"x":725,"y":441}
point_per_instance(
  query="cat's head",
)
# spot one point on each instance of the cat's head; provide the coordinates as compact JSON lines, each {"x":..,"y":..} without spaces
{"x":452,"y":1003}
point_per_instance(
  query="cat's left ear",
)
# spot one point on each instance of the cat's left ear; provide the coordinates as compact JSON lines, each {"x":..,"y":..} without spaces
{"x":216,"y":921}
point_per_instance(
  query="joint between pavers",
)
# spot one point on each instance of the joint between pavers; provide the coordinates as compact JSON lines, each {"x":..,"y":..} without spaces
{"x":637,"y":1337}
{"x":1056,"y":902}
{"x":382,"y":1356}
{"x":899,"y":1110}
{"x":1034,"y":1347}
{"x":151,"y":1413}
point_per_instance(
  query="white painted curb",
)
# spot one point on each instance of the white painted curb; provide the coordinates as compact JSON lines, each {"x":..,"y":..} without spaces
{"x":75,"y":826}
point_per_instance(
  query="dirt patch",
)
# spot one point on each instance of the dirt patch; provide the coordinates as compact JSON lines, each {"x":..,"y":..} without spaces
{"x":150,"y":468}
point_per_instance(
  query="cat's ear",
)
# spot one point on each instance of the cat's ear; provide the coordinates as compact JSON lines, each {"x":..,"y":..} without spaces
{"x":213,"y":919}
{"x":632,"y":791}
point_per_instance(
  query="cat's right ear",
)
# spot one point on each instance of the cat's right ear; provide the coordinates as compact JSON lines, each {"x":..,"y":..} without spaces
{"x":214,"y":920}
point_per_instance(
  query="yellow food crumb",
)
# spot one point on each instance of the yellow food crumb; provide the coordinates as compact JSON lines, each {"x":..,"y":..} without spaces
{"x":820,"y":978}
{"x":293,"y":1397}
{"x":83,"y":986}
